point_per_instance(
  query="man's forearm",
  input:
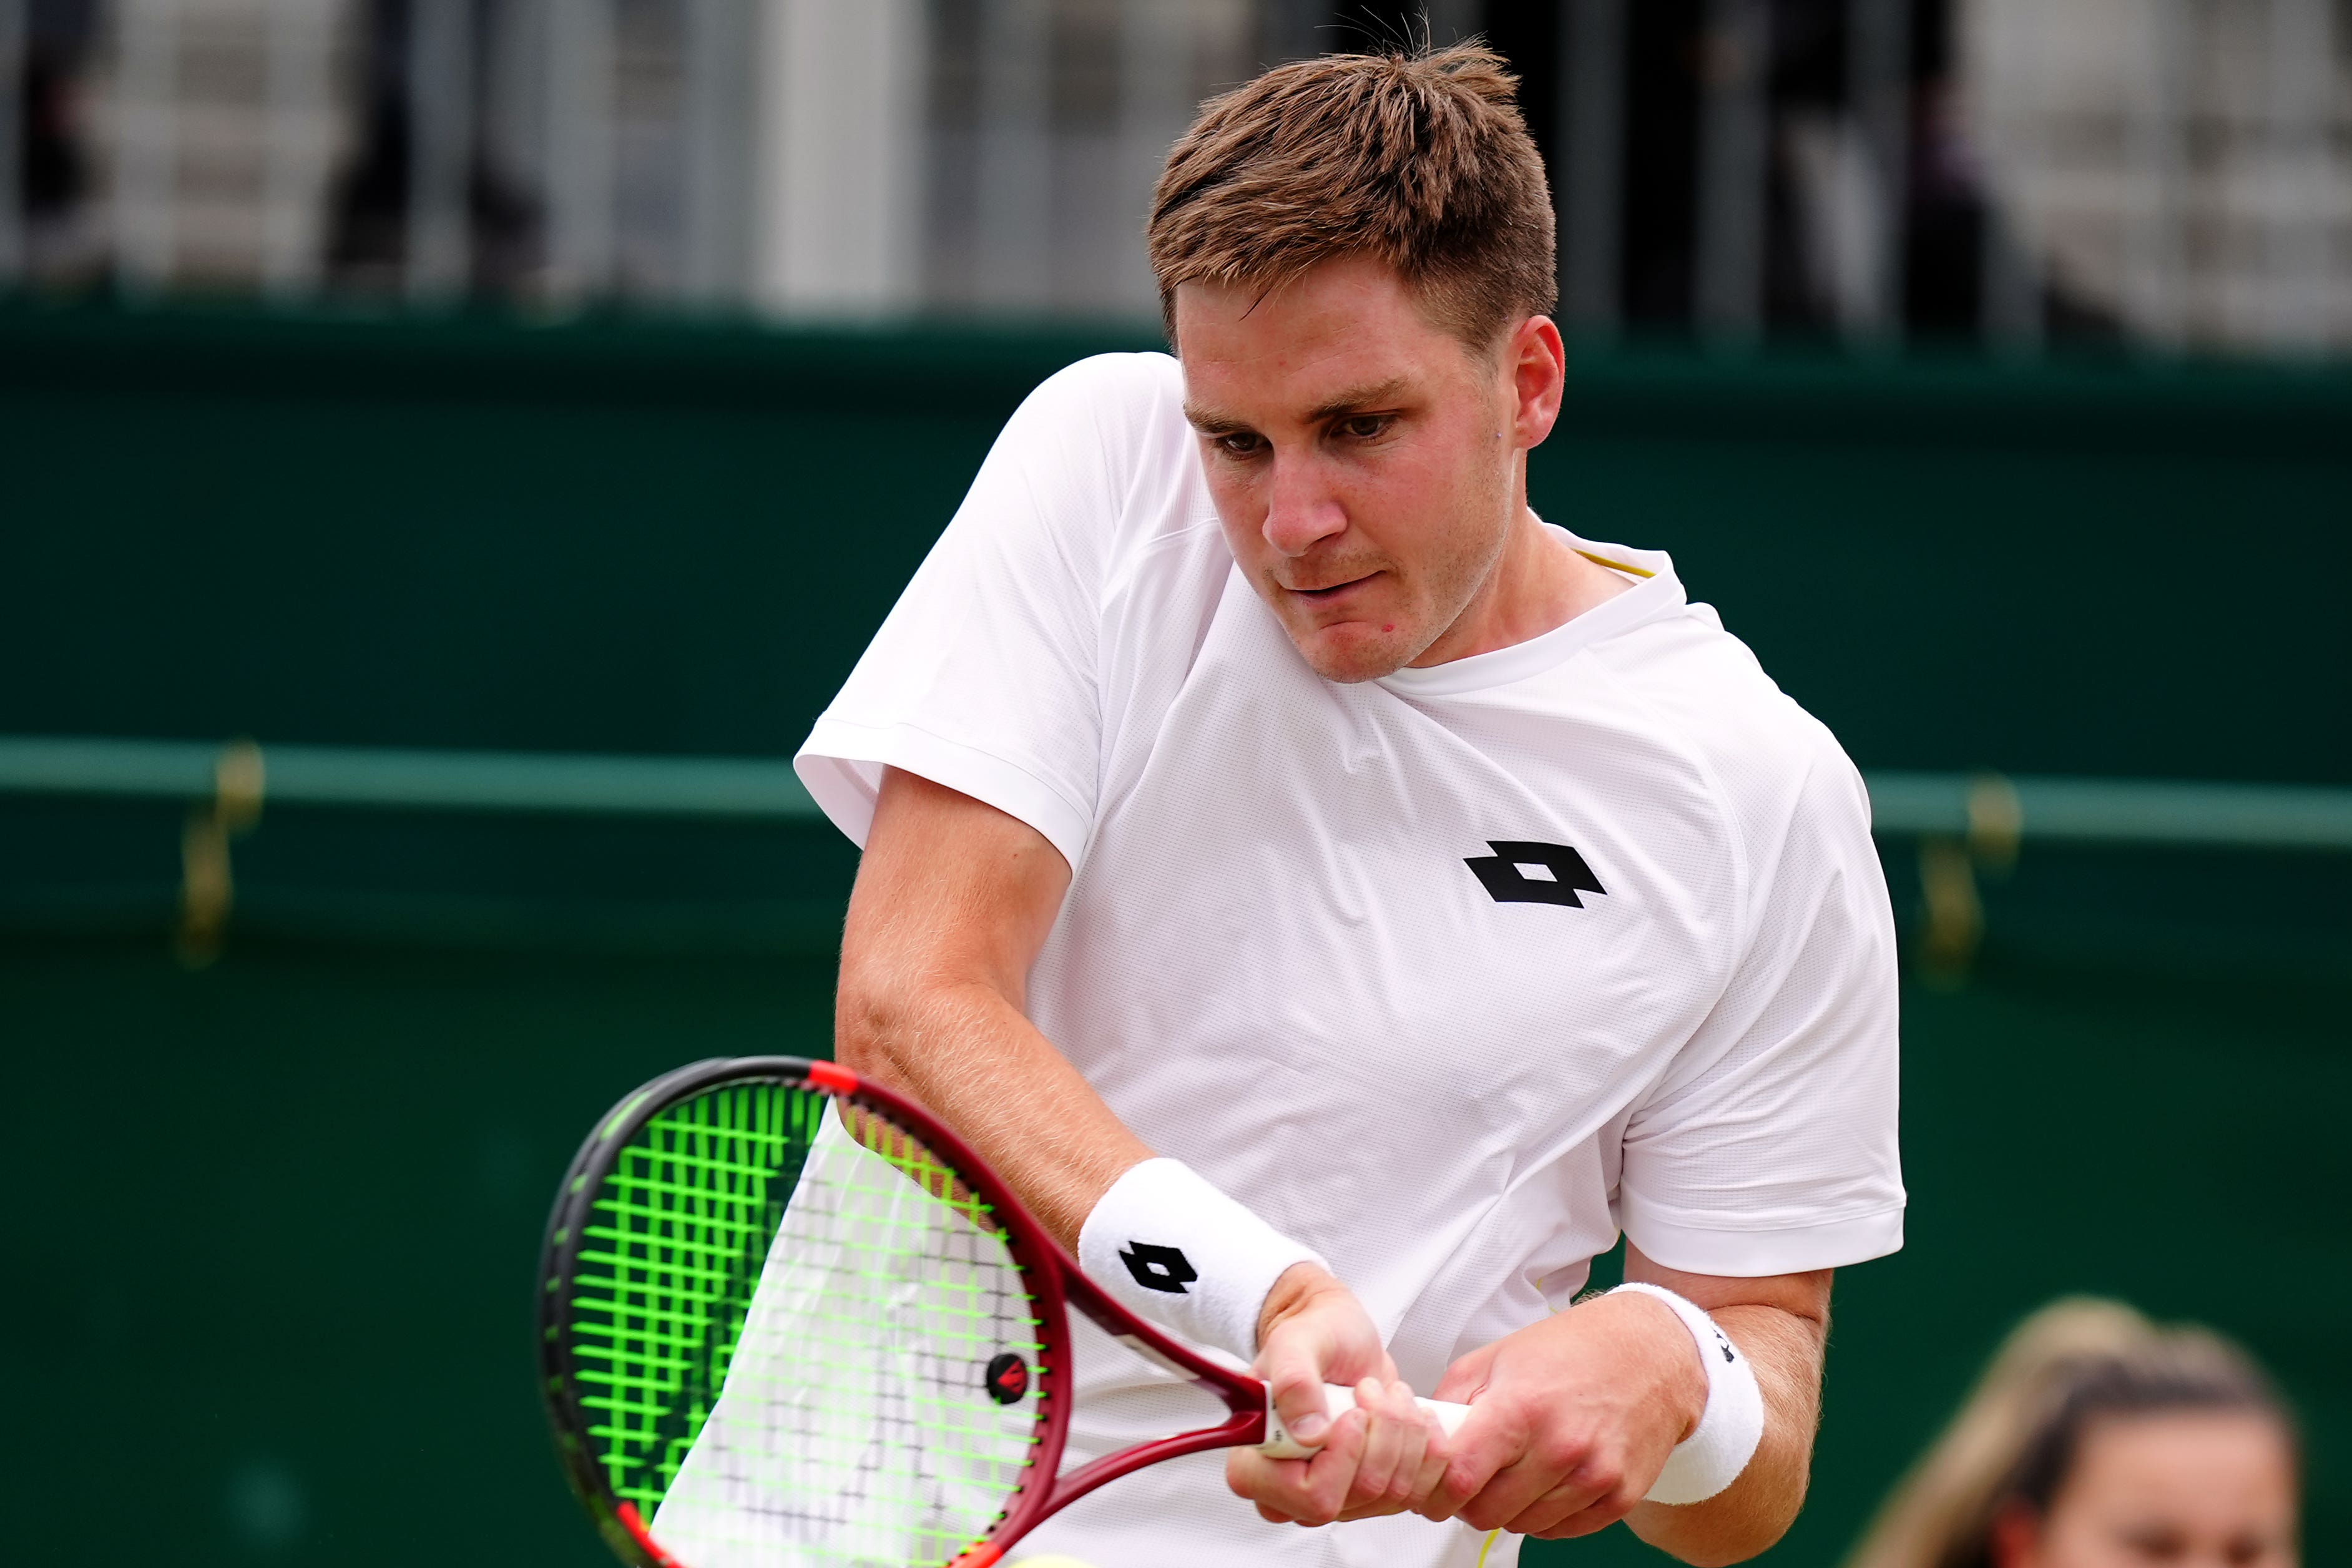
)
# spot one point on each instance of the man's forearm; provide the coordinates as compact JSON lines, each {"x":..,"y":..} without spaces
{"x":968,"y":1056}
{"x":952,"y":903}
{"x":1745,"y":1519}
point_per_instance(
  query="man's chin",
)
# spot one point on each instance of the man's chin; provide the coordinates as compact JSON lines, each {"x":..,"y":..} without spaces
{"x":1352,"y":652}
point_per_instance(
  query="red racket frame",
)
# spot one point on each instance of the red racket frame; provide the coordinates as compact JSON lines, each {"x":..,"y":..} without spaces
{"x":1053,"y":1278}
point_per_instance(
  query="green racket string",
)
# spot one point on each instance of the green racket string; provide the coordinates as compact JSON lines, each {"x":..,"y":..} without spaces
{"x":668,"y":1274}
{"x":888,"y":1262}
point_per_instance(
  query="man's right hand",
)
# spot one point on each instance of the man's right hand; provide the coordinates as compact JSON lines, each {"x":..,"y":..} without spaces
{"x":1381,"y":1458}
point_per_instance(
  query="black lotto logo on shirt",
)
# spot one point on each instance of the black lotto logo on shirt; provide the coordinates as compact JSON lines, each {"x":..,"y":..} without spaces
{"x":1157,"y":1267}
{"x":1520,"y":872}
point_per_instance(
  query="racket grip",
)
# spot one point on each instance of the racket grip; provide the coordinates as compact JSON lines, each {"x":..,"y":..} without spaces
{"x":1338,"y":1400}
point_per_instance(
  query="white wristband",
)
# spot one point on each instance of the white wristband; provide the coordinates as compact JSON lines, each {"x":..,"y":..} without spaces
{"x":1725,"y":1439}
{"x":1168,"y":1245}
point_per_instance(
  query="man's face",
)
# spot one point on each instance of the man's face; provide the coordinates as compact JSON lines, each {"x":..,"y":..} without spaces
{"x":1364,"y":462}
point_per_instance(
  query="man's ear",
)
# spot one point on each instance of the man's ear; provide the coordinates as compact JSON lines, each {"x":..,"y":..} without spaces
{"x":2016,"y":1538}
{"x":1538,"y":368}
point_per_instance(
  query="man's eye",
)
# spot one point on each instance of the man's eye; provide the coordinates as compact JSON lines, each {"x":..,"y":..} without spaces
{"x":1364,"y":426}
{"x":1238,"y":444}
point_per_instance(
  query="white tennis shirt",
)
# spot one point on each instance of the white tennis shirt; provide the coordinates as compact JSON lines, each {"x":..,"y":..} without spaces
{"x":1450,"y":975}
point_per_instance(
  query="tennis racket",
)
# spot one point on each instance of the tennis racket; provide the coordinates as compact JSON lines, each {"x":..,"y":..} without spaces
{"x":786,"y":1317}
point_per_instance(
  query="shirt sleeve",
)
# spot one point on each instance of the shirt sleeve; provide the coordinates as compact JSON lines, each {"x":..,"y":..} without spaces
{"x":1770,"y":1145}
{"x":984,"y":678}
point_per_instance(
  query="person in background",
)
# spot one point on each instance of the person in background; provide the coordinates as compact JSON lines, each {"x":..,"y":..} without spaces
{"x":2097,"y":1439}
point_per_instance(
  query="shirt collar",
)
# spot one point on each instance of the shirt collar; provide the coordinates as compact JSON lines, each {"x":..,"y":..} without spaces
{"x":1657,"y":593}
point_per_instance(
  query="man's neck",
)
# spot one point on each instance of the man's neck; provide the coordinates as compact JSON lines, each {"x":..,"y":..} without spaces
{"x":1539,"y":583}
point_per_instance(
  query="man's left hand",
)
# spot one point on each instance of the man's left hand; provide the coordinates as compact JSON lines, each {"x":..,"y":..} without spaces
{"x":1571,"y":1419}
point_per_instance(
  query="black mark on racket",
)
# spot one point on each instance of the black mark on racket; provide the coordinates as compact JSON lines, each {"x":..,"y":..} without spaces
{"x":1008,"y":1378}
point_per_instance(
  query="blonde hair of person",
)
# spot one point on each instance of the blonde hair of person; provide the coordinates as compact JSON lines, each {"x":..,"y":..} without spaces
{"x":2015,"y":1434}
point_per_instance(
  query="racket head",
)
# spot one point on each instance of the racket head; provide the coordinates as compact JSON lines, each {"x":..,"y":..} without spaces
{"x":657,"y":1243}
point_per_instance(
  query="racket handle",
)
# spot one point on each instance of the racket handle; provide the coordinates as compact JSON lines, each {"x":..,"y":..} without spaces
{"x":1338,"y":1400}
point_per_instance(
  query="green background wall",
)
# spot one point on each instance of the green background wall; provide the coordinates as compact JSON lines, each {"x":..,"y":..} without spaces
{"x":669,"y":539}
{"x":269,"y":1301}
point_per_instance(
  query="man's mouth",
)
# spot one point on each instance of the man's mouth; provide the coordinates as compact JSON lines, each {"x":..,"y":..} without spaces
{"x":1334,"y":590}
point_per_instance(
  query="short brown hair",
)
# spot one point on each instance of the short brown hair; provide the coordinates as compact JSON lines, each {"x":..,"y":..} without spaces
{"x":1420,"y":161}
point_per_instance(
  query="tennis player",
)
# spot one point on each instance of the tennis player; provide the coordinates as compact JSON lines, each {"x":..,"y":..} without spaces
{"x":1339,"y":902}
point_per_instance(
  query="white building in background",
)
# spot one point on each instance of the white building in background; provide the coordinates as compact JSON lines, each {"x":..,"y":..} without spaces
{"x":215,"y":129}
{"x":840,"y":160}
{"x":798,"y":157}
{"x":2183,"y":167}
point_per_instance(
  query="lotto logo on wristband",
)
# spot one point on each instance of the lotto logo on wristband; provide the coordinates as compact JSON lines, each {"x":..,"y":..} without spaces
{"x":1157,"y":1267}
{"x":1209,"y":1265}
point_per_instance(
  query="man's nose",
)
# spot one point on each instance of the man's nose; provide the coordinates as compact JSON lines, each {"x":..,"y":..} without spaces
{"x":1300,"y":509}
